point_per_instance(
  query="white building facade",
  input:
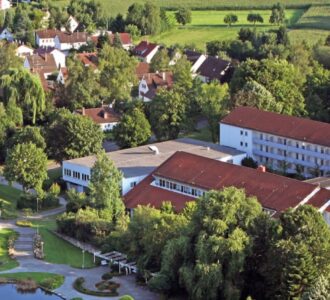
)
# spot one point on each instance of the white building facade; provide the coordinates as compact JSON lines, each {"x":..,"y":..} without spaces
{"x":283,"y":153}
{"x":5,"y":4}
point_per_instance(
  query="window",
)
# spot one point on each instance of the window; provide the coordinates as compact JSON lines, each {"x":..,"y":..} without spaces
{"x":297,"y":156}
{"x":133,"y":184}
{"x":322,"y":150}
{"x":261,"y":136}
{"x":261,"y":147}
{"x":302,"y":157}
{"x":246,"y":133}
{"x":241,"y":132}
{"x":246,"y":144}
{"x":266,"y":148}
{"x":297,"y":145}
{"x":284,"y":153}
{"x":242,"y":144}
{"x":85,"y":177}
{"x":284,"y":141}
{"x":67,"y":172}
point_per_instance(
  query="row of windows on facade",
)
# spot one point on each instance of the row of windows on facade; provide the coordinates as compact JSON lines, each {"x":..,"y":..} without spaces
{"x":76,"y":175}
{"x":297,"y":144}
{"x":179,"y":188}
{"x":278,"y":164}
{"x":298,"y":156}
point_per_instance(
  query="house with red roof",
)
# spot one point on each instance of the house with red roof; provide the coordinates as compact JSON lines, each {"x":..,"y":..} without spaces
{"x":185,"y":176}
{"x":286,"y":143}
{"x":104,"y":116}
{"x":145,"y":51}
{"x":151,"y":83}
{"x":46,"y":37}
{"x":125,"y":38}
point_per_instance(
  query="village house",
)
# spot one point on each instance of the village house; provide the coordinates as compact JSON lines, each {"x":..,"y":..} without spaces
{"x":5,"y":34}
{"x":104,"y":116}
{"x":5,"y":4}
{"x":142,"y":69}
{"x":58,"y":55}
{"x":183,"y":177}
{"x":71,"y":25}
{"x":137,"y":163}
{"x":152,"y":82}
{"x":88,"y":59}
{"x":23,"y":51}
{"x":145,"y":51}
{"x":46,"y":37}
{"x":214,"y":68}
{"x":286,"y":143}
{"x":65,"y":41}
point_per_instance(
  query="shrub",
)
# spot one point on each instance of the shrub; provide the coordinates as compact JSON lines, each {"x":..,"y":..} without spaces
{"x":79,"y":286}
{"x":27,"y":200}
{"x":126,"y":297}
{"x":107,"y":276}
{"x":51,"y":283}
{"x":50,"y":200}
{"x":23,"y":223}
{"x":249,"y":162}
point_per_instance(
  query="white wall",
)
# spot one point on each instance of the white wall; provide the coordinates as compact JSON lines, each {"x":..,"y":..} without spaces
{"x":198,"y":63}
{"x":231,"y":136}
{"x":6,"y":35}
{"x":49,"y":42}
{"x":108,"y":126}
{"x":149,"y":57}
{"x":59,"y":58}
{"x":77,"y":168}
{"x":126,"y":183}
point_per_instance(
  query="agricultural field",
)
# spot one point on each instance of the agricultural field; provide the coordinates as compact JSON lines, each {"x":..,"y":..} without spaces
{"x":208,"y":25}
{"x":113,"y":7}
{"x":317,"y":17}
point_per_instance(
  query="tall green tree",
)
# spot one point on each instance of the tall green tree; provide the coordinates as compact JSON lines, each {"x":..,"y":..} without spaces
{"x":8,"y":57}
{"x":133,"y":130}
{"x":253,"y":94}
{"x":161,"y":61}
{"x":82,"y":88}
{"x":117,"y":73}
{"x":167,"y":114}
{"x":182,"y":74}
{"x":277,"y":15}
{"x":152,"y":22}
{"x":212,"y":102}
{"x":26,"y":89}
{"x":230,"y":19}
{"x":28,"y":134}
{"x":255,"y":18}
{"x":105,"y":186}
{"x":26,"y":164}
{"x":183,"y":16}
{"x":72,"y":135}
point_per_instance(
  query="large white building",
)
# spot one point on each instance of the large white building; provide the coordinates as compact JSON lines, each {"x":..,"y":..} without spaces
{"x":285,"y":143}
{"x":137,"y":163}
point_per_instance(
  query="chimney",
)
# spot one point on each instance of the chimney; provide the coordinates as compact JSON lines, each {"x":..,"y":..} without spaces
{"x":83,"y":111}
{"x":262,"y":168}
{"x":105,"y":114}
{"x":164,"y":76}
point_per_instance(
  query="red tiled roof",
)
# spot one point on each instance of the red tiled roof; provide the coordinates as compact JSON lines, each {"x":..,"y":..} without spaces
{"x":48,"y":33}
{"x":144,"y":48}
{"x":321,"y":198}
{"x":101,"y":115}
{"x":45,"y":61}
{"x":273,"y":191}
{"x":142,"y":68}
{"x":124,"y":37}
{"x":88,"y":59}
{"x":156,"y":81}
{"x":283,"y":125}
{"x":69,"y":38}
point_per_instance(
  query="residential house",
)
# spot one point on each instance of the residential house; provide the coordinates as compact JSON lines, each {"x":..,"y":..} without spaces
{"x":196,"y":59}
{"x":137,"y":163}
{"x":5,"y":4}
{"x":104,"y":116}
{"x":152,"y":82}
{"x":46,"y":37}
{"x":88,"y":59}
{"x":214,"y":68}
{"x":23,"y":51}
{"x":65,"y":41}
{"x":72,"y":24}
{"x":58,"y":55}
{"x":142,"y":69}
{"x":5,"y":34}
{"x":44,"y":66}
{"x":145,"y":51}
{"x":183,"y":177}
{"x":286,"y":143}
{"x":62,"y":76}
{"x":125,"y":38}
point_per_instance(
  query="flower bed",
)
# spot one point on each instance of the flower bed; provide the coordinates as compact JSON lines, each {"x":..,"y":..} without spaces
{"x":79,"y":286}
{"x":23,"y":223}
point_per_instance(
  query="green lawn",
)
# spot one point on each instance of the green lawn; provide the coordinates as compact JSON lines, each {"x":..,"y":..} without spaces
{"x":113,"y":7}
{"x":316,"y":17}
{"x":208,"y":25}
{"x":58,"y":251}
{"x":38,"y":277}
{"x":6,"y":262}
{"x":9,"y":196}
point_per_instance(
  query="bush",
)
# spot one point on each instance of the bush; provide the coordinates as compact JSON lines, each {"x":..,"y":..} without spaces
{"x":23,"y":223}
{"x":50,"y":200}
{"x":107,"y":276}
{"x":249,"y":162}
{"x":79,"y":286}
{"x":126,"y":297}
{"x":27,"y":200}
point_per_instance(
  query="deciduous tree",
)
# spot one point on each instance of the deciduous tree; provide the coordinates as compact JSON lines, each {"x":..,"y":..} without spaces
{"x":230,"y":19}
{"x":183,"y":16}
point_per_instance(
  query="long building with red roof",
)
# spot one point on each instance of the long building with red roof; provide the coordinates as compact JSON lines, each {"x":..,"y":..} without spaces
{"x":185,"y":176}
{"x":282,"y":142}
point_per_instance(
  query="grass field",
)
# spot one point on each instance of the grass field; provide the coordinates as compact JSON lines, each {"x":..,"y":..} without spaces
{"x":58,"y":251}
{"x":6,"y":262}
{"x":208,"y":25}
{"x":316,"y":17}
{"x":9,"y":197}
{"x":38,"y":277}
{"x":113,"y":7}
{"x":201,"y":134}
